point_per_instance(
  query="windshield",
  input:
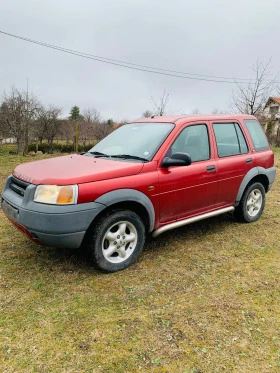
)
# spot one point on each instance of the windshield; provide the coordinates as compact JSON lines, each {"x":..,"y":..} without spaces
{"x":135,"y":141}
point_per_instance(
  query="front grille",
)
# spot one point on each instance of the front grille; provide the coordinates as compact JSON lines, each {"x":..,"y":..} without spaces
{"x":18,"y":186}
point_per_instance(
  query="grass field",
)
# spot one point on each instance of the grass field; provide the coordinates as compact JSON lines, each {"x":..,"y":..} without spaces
{"x":203,"y":298}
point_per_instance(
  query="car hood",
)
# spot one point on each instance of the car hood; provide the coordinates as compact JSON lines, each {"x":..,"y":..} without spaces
{"x":74,"y":169}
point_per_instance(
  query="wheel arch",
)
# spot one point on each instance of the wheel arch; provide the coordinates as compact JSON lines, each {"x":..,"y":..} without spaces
{"x":129,"y":199}
{"x":256,"y":174}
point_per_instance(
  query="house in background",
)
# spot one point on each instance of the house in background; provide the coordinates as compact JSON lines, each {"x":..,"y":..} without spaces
{"x":9,"y":140}
{"x":271,"y":113}
{"x":272,"y":108}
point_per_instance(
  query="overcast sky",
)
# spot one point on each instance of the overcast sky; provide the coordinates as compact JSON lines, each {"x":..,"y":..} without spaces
{"x":217,"y":37}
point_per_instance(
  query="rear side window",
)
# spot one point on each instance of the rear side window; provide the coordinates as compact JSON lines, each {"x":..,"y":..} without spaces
{"x":257,"y":134}
{"x":230,"y":139}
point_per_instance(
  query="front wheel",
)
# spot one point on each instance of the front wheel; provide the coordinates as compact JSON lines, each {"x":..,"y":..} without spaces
{"x":252,"y":203}
{"x":117,"y":240}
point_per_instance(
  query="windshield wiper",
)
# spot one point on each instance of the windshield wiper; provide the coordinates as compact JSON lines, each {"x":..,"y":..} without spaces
{"x":122,"y":156}
{"x":98,"y":154}
{"x":129,"y":156}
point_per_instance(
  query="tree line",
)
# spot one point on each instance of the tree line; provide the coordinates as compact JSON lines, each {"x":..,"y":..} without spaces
{"x":25,"y":119}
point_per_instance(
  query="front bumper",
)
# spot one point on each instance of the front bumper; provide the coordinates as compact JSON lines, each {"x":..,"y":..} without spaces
{"x":62,"y":226}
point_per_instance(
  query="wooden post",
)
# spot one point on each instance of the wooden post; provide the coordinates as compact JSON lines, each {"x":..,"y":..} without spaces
{"x":76,"y":137}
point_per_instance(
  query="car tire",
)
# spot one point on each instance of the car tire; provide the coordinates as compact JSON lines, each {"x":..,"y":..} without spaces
{"x":117,"y":240}
{"x":251,"y":204}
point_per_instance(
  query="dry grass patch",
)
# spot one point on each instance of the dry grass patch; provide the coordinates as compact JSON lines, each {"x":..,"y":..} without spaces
{"x":203,"y":298}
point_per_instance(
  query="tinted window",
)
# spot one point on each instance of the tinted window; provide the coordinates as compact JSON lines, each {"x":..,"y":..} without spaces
{"x":193,"y":140}
{"x":230,"y":139}
{"x":257,"y":135}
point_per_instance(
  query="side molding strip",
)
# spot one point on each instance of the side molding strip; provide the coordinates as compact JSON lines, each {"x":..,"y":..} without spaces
{"x":180,"y":223}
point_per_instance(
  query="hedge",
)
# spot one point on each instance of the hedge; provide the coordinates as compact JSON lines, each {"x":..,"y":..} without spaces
{"x":58,"y":148}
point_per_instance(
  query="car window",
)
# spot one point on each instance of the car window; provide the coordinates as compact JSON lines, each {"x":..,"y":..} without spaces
{"x":134,"y":139}
{"x":229,"y":139}
{"x":242,"y":141}
{"x":257,"y":134}
{"x":193,"y":140}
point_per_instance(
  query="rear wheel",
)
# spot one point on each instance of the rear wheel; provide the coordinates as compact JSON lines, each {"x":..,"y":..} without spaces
{"x":117,"y":240}
{"x":252,"y":203}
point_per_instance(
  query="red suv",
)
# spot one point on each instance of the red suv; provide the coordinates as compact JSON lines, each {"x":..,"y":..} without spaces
{"x":148,"y":176}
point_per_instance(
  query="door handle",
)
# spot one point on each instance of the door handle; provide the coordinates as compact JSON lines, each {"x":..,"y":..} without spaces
{"x":210,"y":168}
{"x":249,"y":160}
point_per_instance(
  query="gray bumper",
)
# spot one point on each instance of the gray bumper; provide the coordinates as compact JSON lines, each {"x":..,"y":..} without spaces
{"x":58,"y":226}
{"x":271,"y":174}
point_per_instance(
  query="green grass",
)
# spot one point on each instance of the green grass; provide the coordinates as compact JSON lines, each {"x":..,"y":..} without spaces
{"x":202,"y":298}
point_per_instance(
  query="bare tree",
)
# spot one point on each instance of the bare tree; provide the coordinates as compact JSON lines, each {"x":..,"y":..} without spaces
{"x":67,"y":130}
{"x":91,"y":115}
{"x":147,"y":114}
{"x":91,"y":118}
{"x":19,"y":110}
{"x":48,"y":123}
{"x":250,"y":97}
{"x":195,"y":111}
{"x":103,"y":129}
{"x":218,"y":111}
{"x":4,"y":129}
{"x":123,"y":122}
{"x":160,"y":106}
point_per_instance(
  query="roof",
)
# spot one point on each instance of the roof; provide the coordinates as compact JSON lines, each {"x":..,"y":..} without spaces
{"x":179,"y":119}
{"x":275,"y":99}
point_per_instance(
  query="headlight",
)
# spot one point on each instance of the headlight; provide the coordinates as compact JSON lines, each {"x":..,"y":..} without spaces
{"x":56,"y":195}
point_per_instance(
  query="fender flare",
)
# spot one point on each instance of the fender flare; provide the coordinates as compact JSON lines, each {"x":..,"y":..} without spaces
{"x":125,"y":195}
{"x":247,"y":178}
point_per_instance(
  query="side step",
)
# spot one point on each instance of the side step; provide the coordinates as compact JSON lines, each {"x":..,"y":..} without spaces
{"x":180,"y":223}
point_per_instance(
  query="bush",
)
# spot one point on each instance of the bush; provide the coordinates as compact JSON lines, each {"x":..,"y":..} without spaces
{"x":85,"y":148}
{"x":58,"y":148}
{"x":45,"y":147}
{"x":67,"y":148}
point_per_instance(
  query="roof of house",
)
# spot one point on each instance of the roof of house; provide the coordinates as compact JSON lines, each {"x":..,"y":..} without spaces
{"x":275,"y":99}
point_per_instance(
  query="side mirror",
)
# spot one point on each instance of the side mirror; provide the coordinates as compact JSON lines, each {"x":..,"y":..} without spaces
{"x":177,"y":159}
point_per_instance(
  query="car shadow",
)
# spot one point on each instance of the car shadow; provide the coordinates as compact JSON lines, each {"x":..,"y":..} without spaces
{"x":80,"y":261}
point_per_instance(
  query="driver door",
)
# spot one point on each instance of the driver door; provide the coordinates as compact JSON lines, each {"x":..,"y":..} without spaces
{"x":189,"y":190}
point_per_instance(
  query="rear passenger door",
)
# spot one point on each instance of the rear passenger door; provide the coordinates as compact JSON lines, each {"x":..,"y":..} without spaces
{"x":233,"y":160}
